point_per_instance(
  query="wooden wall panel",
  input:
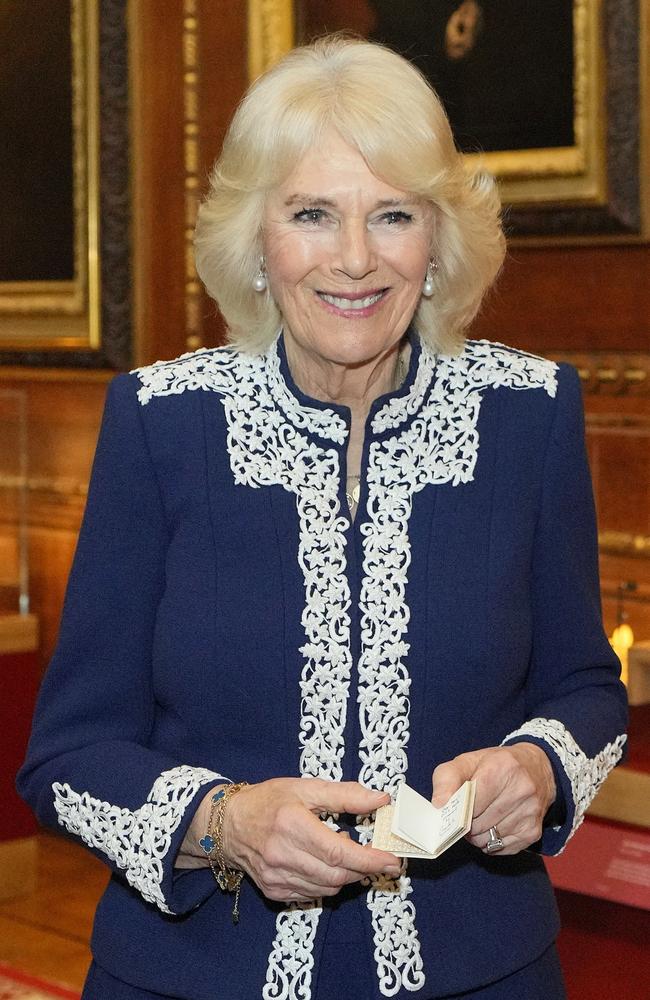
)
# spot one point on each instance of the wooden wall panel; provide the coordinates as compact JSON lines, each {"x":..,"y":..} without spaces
{"x":223,"y":76}
{"x":64,"y":411}
{"x":161,"y":99}
{"x":572,"y":299}
{"x":156,"y":32}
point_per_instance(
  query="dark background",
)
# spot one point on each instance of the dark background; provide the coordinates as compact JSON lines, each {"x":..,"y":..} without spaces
{"x":513,"y":90}
{"x":36,"y":179}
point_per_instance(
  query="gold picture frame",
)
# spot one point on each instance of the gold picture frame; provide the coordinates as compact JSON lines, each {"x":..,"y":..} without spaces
{"x":84,"y":318}
{"x":597,"y":188}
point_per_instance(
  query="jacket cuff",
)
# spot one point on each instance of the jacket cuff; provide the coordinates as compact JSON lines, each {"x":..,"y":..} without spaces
{"x":145,"y":842}
{"x":577,"y":776}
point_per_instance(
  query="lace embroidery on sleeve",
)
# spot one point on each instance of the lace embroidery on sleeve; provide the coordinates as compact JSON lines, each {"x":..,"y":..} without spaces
{"x":137,"y":842}
{"x":586,"y":774}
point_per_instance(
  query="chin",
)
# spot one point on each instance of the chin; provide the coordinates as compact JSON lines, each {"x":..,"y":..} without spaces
{"x":355,"y":355}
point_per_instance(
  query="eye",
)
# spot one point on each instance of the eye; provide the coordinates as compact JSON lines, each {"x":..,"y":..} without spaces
{"x":311,"y":216}
{"x":393,"y":218}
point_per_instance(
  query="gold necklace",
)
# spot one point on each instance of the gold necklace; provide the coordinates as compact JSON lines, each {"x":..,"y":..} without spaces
{"x":352,"y":494}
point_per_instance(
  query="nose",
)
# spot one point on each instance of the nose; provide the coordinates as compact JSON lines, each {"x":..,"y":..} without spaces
{"x":355,"y":257}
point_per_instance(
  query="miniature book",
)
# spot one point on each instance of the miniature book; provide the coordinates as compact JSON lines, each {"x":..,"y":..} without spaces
{"x":412,"y":827}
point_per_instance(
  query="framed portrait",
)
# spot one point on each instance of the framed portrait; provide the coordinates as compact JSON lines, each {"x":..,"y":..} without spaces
{"x":64,"y":254}
{"x":551,"y":98}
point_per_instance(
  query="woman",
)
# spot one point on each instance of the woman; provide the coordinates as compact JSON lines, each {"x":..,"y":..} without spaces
{"x":323,"y":562}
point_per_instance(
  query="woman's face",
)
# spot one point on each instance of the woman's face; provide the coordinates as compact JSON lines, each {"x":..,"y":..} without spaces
{"x":346,"y":255}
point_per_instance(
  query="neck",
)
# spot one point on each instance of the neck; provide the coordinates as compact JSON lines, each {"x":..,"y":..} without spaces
{"x":354,"y":386}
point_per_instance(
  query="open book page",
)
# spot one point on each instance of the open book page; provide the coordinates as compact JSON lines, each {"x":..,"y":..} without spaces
{"x":411,"y":827}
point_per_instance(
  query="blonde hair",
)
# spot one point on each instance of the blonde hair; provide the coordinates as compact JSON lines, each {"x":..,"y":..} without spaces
{"x":382,"y":106}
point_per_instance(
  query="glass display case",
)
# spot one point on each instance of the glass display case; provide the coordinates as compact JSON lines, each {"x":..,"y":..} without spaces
{"x":618,"y":447}
{"x":19,"y":669}
{"x":14,"y":557}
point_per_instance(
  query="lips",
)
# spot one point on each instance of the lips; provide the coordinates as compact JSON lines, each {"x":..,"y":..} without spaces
{"x":354,"y":301}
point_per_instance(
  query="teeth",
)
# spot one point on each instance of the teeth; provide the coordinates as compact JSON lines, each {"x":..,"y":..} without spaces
{"x":351,"y":303}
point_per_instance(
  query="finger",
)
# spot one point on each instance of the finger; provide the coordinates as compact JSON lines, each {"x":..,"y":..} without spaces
{"x":523,"y":826}
{"x":504,"y":787}
{"x":307,"y":876}
{"x":511,"y":845}
{"x":342,"y":797}
{"x":518,"y":829}
{"x":316,"y":872}
{"x":504,"y":811}
{"x":448,"y":777}
{"x":340,"y":852}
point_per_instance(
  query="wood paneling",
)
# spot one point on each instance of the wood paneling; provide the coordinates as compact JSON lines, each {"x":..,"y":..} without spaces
{"x":157,"y":177}
{"x":158,"y":162}
{"x":63,"y":416}
{"x":223,"y":80}
{"x":572,"y":299}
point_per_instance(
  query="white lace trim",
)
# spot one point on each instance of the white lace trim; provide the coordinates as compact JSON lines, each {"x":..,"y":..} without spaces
{"x":137,"y":842}
{"x":439,"y":446}
{"x":396,"y":410}
{"x":218,"y":369}
{"x":265,"y":450}
{"x":586,"y":774}
{"x":326,"y":423}
{"x":261,"y":453}
{"x":194,"y":370}
{"x":291,"y":961}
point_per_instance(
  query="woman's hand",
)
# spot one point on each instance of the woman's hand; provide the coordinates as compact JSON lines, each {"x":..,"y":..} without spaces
{"x":515,"y":787}
{"x":272,"y":831}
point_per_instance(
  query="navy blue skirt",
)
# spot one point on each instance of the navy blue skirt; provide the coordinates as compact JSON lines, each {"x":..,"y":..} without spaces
{"x":541,"y":980}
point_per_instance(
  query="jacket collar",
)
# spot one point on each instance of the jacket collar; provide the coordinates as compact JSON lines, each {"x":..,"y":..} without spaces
{"x":331,"y":421}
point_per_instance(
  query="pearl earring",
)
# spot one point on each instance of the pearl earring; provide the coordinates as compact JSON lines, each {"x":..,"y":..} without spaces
{"x":259,"y":281}
{"x":428,"y":287}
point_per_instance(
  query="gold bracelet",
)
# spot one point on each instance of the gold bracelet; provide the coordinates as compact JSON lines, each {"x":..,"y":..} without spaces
{"x":228,"y":879}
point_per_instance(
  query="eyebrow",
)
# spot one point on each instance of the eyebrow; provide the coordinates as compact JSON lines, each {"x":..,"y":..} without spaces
{"x":314,"y":201}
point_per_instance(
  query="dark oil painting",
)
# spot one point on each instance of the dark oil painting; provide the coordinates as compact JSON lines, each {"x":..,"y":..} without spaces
{"x":36,"y":178}
{"x":503,"y":68}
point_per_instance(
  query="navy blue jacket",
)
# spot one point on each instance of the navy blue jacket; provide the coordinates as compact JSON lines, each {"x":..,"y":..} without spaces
{"x":225,"y":619}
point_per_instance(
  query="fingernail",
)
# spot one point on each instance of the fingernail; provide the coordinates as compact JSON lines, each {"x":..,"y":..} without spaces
{"x":393,"y":872}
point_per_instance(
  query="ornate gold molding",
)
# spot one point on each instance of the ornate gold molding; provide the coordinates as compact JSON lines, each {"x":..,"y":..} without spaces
{"x":611,"y":373}
{"x":191,"y":159}
{"x":271,"y":33}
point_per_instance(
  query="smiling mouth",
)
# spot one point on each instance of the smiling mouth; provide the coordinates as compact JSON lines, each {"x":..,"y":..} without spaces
{"x":353,"y":302}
